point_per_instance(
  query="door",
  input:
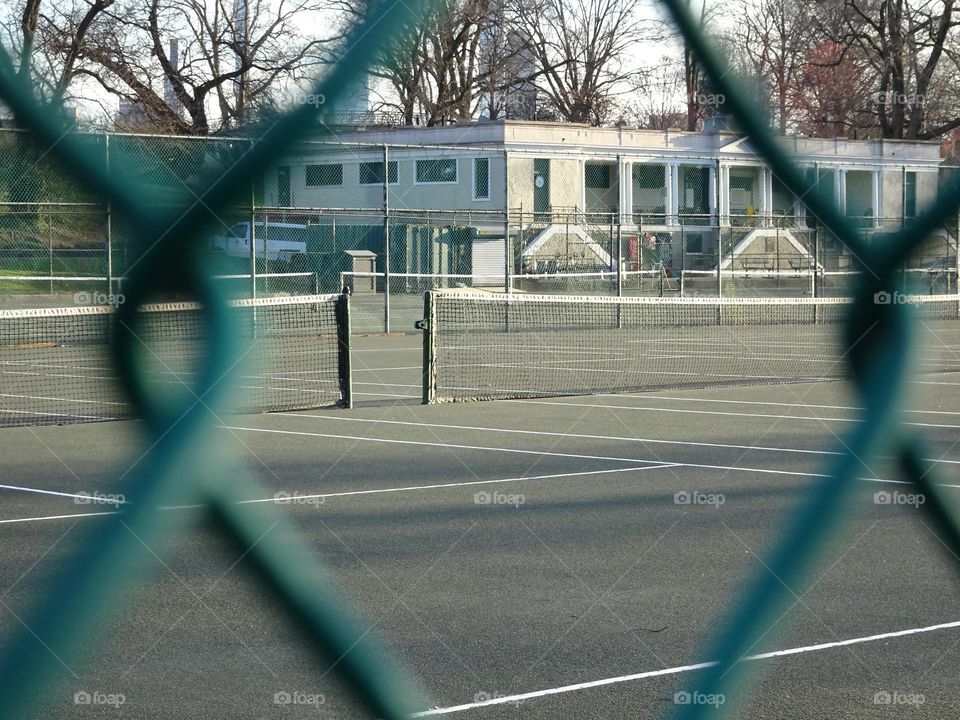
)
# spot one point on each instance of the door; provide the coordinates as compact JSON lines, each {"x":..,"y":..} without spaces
{"x":488,"y":265}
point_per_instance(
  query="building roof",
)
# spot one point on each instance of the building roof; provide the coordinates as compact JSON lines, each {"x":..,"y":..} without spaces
{"x":575,"y":137}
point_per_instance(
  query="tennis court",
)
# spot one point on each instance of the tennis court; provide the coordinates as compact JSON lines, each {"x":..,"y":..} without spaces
{"x":537,"y":557}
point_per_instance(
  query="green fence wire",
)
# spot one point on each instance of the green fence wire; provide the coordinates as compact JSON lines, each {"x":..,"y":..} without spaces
{"x":879,"y":337}
{"x":182,"y":465}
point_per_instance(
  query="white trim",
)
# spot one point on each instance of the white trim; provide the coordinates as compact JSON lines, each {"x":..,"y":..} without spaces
{"x":456,"y":173}
{"x":473,"y":181}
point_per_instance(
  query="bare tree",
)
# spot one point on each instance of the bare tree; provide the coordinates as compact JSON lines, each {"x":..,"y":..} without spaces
{"x":910,"y":48}
{"x":582,"y":49}
{"x":652,"y":103}
{"x":833,"y":95}
{"x":456,"y":56}
{"x":693,"y":82}
{"x":236,"y":56}
{"x":28,"y":29}
{"x":773,"y":39}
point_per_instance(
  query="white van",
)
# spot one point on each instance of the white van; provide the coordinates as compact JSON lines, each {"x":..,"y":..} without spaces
{"x":278,"y":241}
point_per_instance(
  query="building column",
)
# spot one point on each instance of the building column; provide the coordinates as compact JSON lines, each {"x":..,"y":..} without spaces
{"x":673,"y":194}
{"x":840,"y":189}
{"x":766,"y":192}
{"x":712,"y":193}
{"x":876,"y":189}
{"x":724,"y":200}
{"x":628,"y":191}
{"x":583,"y":186}
{"x":621,"y":189}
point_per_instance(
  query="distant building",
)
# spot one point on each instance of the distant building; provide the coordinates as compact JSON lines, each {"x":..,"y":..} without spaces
{"x":131,"y":116}
{"x":562,"y":180}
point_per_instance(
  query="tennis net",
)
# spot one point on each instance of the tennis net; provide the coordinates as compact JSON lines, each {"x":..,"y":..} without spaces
{"x":486,"y":346}
{"x":55,"y":369}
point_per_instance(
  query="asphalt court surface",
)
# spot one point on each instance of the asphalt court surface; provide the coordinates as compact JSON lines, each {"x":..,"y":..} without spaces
{"x":567,"y":557}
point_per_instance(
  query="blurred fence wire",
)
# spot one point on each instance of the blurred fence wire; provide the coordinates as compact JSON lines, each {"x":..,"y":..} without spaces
{"x":179,"y":216}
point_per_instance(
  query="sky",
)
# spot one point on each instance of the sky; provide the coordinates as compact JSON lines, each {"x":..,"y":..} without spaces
{"x":99,"y":106}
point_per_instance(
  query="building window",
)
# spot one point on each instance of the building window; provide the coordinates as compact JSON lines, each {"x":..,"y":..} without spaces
{"x":371,"y":173}
{"x":649,"y":177}
{"x":910,"y":195}
{"x":481,"y":178}
{"x":597,"y":177}
{"x":318,"y":175}
{"x":442,"y":170}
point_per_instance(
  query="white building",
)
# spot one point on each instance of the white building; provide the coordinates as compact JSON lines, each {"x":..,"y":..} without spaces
{"x":685,"y":188}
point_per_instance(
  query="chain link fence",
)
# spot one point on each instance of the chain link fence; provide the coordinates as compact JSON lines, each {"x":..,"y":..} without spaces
{"x":388,"y":222}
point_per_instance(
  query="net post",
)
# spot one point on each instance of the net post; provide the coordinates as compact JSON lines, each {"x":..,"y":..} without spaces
{"x":253,"y":246}
{"x":109,"y":220}
{"x":507,"y":264}
{"x":813,"y":274}
{"x":49,"y":249}
{"x":427,"y":325}
{"x":619,"y":268}
{"x":719,"y":290}
{"x":345,"y":371}
{"x":386,"y":238}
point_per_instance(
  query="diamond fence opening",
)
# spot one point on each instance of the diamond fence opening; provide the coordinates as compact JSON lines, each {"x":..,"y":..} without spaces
{"x":163,"y":219}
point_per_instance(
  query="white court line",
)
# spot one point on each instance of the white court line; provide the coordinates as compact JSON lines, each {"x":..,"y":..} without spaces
{"x":585,"y":436}
{"x":703,"y":466}
{"x":56,"y":414}
{"x":468,"y":483}
{"x":392,"y":395}
{"x":380,"y":369}
{"x":509,"y":699}
{"x":852,"y":408}
{"x":806,"y":418}
{"x":90,"y":499}
{"x":423,"y":443}
{"x":373,"y":491}
{"x":61,"y":399}
{"x":650,"y":465}
{"x":399,"y":348}
{"x":56,"y":517}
